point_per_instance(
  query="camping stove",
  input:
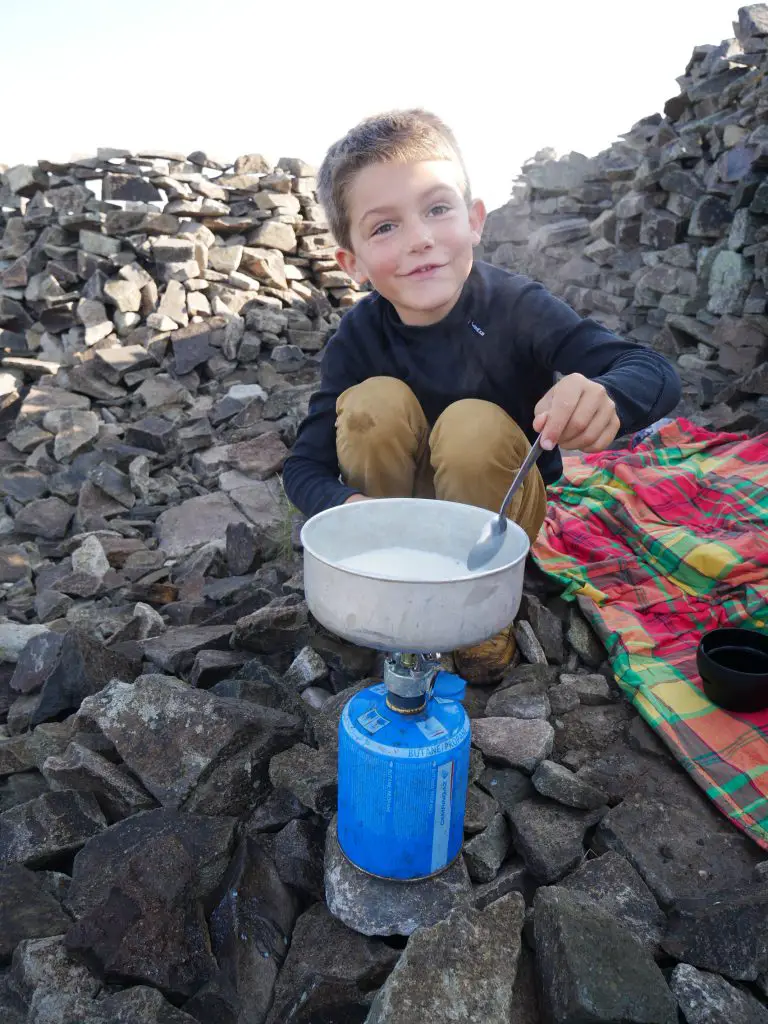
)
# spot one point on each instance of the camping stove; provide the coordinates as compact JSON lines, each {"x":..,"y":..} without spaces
{"x":403,"y":771}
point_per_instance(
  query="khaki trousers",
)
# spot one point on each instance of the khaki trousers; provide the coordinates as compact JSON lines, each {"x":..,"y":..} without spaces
{"x":386,"y":450}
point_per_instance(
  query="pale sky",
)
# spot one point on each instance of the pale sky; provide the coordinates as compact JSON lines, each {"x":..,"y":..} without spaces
{"x":288,"y":78}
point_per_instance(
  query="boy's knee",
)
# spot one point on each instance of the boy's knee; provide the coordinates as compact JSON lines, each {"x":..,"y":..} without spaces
{"x":374,"y":408}
{"x":471,"y":430}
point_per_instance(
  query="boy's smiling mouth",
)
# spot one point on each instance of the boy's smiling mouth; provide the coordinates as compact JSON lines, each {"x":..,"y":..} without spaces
{"x":424,"y":270}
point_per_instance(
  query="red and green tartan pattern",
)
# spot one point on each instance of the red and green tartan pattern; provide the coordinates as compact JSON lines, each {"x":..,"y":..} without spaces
{"x":660,"y":544}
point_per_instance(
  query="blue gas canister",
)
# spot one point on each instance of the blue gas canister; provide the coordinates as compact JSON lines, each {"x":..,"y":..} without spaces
{"x":403,"y":772}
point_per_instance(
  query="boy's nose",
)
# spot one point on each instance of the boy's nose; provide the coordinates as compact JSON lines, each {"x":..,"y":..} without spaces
{"x":420,"y":237}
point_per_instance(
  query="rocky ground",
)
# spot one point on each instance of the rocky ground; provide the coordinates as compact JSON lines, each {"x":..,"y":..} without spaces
{"x":664,"y":236}
{"x":168,"y":708}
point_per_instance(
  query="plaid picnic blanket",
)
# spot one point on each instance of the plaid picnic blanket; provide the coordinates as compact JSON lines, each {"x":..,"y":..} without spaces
{"x":659,"y":544}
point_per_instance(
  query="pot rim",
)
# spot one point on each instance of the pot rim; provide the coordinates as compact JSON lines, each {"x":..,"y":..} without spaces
{"x":470,"y":577}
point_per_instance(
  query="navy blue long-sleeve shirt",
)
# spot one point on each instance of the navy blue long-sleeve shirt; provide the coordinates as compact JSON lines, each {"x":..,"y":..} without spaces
{"x":503,"y":341}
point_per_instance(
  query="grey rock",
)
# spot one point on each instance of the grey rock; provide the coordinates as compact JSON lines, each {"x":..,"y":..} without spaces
{"x":15,"y":756}
{"x":548,"y":628}
{"x":553,"y":780}
{"x":191,"y":347}
{"x":138,"y":892}
{"x":27,"y":910}
{"x":46,"y":517}
{"x":12,"y":1009}
{"x":49,"y":827}
{"x":513,"y":877}
{"x":582,"y":639}
{"x":154,"y":434}
{"x":525,"y":700}
{"x":376,"y":906}
{"x":309,"y":774}
{"x":525,"y":1000}
{"x":175,"y":650}
{"x":137,"y":1005}
{"x":543,"y":676}
{"x":278,"y":809}
{"x":14,"y":637}
{"x":201,"y":750}
{"x":116,"y":791}
{"x":479,"y":810}
{"x":613,"y":885}
{"x":23,"y":484}
{"x":514,"y":742}
{"x":753,"y":21}
{"x":251,"y":929}
{"x":592,"y":729}
{"x":591,"y":968}
{"x":549,"y":837}
{"x":676,"y":851}
{"x":729,"y":282}
{"x":725,"y":932}
{"x":280,"y":626}
{"x":506,"y":785}
{"x":529,"y":644}
{"x":299,"y":852}
{"x":330,"y":972}
{"x":563,"y":698}
{"x":14,"y":563}
{"x":592,"y":690}
{"x":55,"y":986}
{"x":195,"y":522}
{"x":114,"y":363}
{"x":706,"y":998}
{"x":212,"y":666}
{"x":60,"y":670}
{"x":74,"y":429}
{"x":478,"y":953}
{"x":484,"y":853}
{"x":248,"y":547}
{"x":20,"y":789}
{"x":306,"y":669}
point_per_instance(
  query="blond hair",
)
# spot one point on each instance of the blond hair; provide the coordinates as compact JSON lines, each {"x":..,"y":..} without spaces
{"x":399,"y":136}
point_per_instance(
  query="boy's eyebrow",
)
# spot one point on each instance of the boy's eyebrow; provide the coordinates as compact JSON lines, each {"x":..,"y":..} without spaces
{"x":378,"y":211}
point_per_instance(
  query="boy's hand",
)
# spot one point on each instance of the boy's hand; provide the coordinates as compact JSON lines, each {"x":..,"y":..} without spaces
{"x":577,"y":413}
{"x":356,"y":497}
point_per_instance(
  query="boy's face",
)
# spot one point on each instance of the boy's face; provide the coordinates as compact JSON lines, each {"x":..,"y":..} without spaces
{"x":412,"y":236}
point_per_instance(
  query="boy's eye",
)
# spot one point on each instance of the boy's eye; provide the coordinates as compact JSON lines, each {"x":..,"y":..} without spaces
{"x":439,"y":208}
{"x":383,"y":229}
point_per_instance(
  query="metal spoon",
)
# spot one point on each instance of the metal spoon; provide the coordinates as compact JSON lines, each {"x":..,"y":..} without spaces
{"x":491,"y":537}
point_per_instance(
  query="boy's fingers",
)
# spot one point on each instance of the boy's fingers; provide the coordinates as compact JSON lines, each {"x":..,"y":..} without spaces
{"x":544,"y":403}
{"x":591,"y":439}
{"x":565,"y":398}
{"x":588,"y":420}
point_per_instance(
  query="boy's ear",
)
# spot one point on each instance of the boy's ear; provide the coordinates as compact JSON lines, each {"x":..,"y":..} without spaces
{"x":348,"y":263}
{"x":477,"y":215}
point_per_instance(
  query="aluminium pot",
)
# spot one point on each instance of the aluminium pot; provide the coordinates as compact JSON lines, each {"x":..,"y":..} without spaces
{"x":433,"y":614}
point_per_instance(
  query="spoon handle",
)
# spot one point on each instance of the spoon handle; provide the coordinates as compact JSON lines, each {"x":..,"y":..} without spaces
{"x":520,"y":476}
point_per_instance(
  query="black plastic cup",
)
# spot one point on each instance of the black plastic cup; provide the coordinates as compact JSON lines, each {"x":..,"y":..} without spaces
{"x":733,"y":665}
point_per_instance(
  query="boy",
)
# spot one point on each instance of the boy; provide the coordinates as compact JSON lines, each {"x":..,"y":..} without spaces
{"x":435,"y":384}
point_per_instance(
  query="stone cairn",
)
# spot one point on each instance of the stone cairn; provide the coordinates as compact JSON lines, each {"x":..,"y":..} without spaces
{"x":664,"y":236}
{"x":168,"y":707}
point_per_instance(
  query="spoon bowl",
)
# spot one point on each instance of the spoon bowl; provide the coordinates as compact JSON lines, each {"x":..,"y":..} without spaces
{"x":491,"y":537}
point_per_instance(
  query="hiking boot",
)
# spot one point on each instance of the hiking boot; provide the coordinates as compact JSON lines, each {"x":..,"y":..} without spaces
{"x":486,"y":663}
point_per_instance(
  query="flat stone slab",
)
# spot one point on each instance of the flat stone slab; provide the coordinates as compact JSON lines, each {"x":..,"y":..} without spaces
{"x":461,"y":969}
{"x":591,"y":968}
{"x":616,"y":888}
{"x":514,"y":742}
{"x":195,"y":522}
{"x":709,"y":999}
{"x":374,"y":906}
{"x":675,"y":850}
